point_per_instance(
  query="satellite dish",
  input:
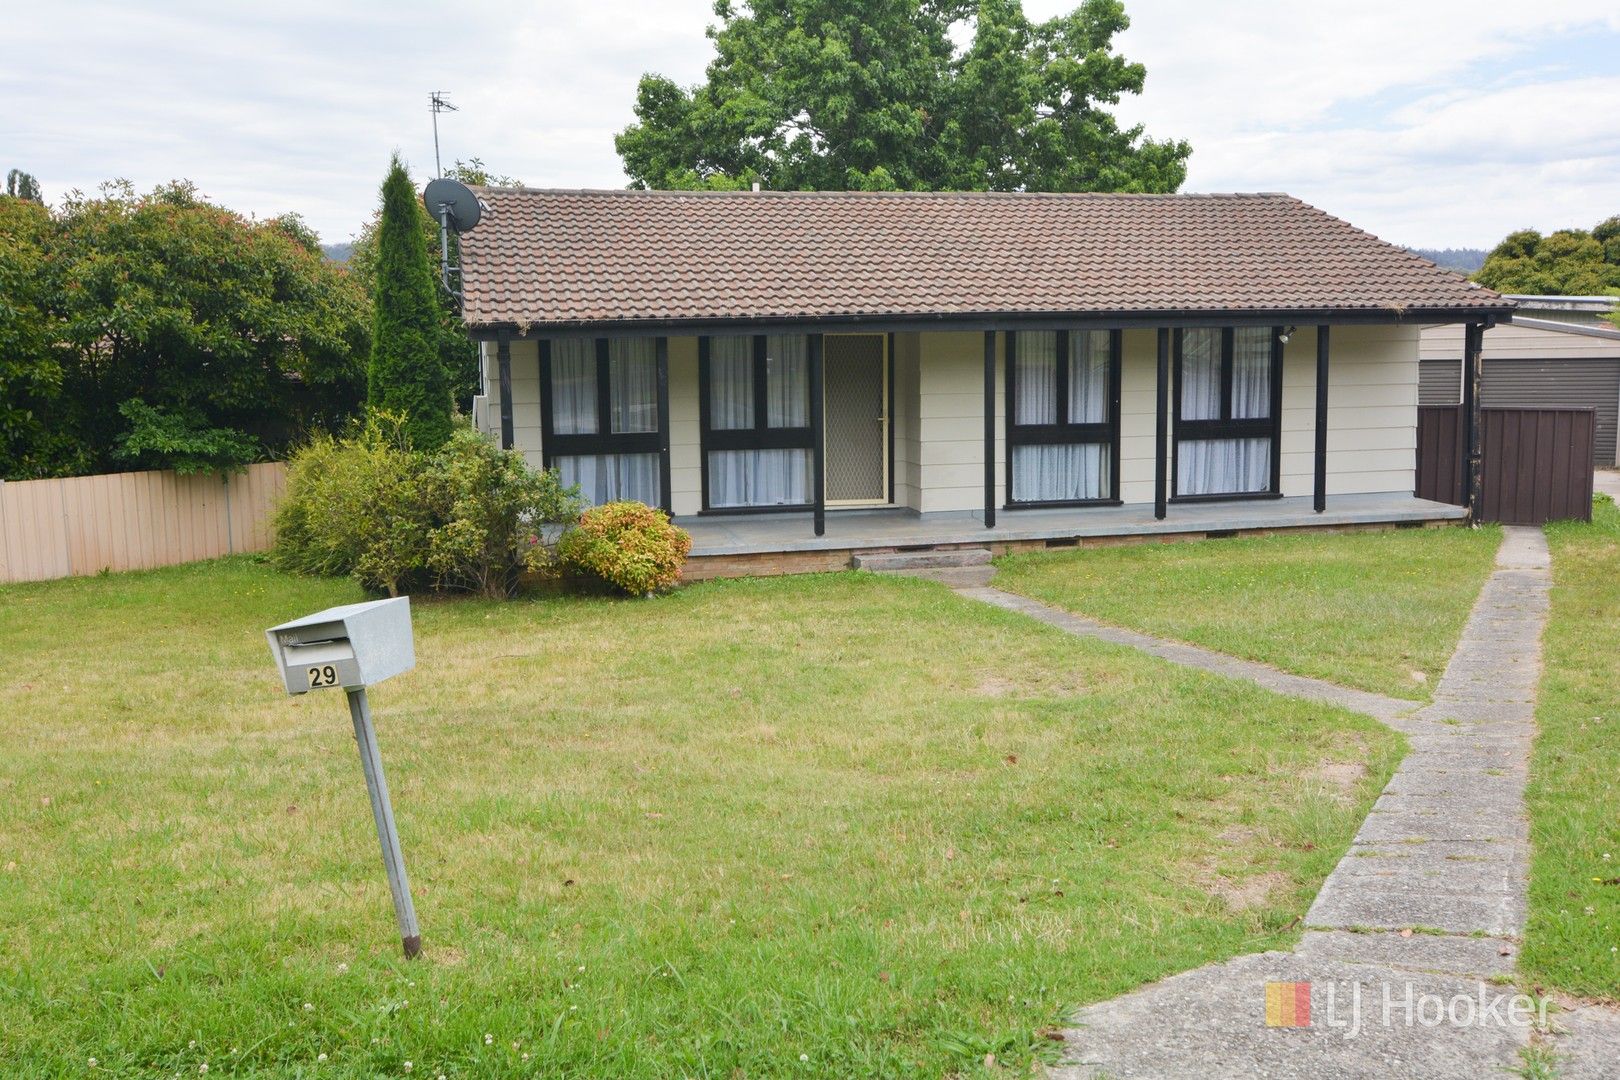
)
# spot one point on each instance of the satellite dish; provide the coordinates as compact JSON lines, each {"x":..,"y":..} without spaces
{"x":453,"y":203}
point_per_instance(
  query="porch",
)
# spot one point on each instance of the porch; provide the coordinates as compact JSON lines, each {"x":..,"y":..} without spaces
{"x":734,"y":545}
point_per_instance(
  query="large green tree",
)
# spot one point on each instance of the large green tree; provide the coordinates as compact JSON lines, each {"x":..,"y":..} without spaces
{"x":162,"y":331}
{"x":874,"y":94}
{"x":1569,"y":262}
{"x":408,"y":375}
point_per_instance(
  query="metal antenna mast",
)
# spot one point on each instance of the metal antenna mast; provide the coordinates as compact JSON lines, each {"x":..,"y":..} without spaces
{"x":438,"y":104}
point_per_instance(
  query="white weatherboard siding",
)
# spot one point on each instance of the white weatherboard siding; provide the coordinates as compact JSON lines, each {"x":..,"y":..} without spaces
{"x":951,"y":426}
{"x":938,"y":415}
{"x":1372,"y":410}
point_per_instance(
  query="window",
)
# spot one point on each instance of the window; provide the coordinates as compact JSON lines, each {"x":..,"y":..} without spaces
{"x":602,"y":417}
{"x":755,"y":405}
{"x":1062,"y":417}
{"x":1228,"y":398}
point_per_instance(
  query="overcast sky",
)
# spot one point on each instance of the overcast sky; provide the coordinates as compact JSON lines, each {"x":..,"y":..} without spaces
{"x":1428,"y":122}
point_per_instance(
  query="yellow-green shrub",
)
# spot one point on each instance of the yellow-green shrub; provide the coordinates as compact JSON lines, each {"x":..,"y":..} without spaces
{"x":629,"y":545}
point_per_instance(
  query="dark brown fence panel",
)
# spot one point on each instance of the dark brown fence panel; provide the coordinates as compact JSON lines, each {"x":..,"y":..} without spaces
{"x":1439,"y":453}
{"x":1537,"y":464}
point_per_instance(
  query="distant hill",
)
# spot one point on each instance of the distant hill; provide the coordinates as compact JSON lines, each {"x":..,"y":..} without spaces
{"x":338,"y":253}
{"x":1462,"y":260}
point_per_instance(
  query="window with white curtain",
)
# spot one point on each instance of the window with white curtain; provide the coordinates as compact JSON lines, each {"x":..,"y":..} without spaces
{"x":601,"y":417}
{"x":755,"y":403}
{"x":1228,"y":384}
{"x":1063,"y":416}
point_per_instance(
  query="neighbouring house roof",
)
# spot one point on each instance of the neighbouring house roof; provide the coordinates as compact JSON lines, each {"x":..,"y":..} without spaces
{"x":561,"y":259}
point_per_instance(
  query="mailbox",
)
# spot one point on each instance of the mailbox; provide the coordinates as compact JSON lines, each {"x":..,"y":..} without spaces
{"x":352,"y":646}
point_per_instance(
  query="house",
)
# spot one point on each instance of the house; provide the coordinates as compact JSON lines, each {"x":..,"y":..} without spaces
{"x":800,"y":377}
{"x":1555,"y":352}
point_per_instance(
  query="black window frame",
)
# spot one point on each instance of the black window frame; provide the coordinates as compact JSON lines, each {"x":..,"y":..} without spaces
{"x":604,"y":440}
{"x":1105,"y":433}
{"x":1226,"y":426}
{"x":758,"y":437}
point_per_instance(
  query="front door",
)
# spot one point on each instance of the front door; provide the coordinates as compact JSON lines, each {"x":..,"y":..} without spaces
{"x":856,"y":417}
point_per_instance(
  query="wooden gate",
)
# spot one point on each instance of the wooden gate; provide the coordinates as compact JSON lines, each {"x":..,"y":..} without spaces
{"x":1536,"y":464}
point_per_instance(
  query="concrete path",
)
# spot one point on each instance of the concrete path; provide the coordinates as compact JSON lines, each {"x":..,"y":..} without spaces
{"x":1606,"y":482}
{"x":1408,"y":932}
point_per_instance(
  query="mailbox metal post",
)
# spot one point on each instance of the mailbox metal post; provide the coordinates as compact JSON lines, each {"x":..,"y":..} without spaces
{"x":383,"y":811}
{"x":354,"y":646}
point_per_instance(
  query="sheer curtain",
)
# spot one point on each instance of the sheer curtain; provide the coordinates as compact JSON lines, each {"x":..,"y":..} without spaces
{"x":774,"y":477}
{"x":1225,"y":466}
{"x":1201,"y":374}
{"x":633,"y":383}
{"x":731,"y":383}
{"x":573,"y":387}
{"x":759,"y":477}
{"x":1088,"y":377}
{"x":1035,"y":378}
{"x":606,"y":478}
{"x":1060,"y":472}
{"x":787,"y":380}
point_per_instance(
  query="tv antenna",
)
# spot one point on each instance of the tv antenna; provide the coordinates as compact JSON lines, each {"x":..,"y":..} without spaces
{"x":457,"y":209}
{"x":437,"y":103}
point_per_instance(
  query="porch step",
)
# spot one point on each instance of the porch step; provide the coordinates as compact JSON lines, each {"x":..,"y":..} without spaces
{"x":890,"y":561}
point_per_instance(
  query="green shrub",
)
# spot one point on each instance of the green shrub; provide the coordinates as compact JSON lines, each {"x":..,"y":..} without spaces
{"x":490,"y":513}
{"x":354,"y":507}
{"x":629,"y":545}
{"x":469,"y":517}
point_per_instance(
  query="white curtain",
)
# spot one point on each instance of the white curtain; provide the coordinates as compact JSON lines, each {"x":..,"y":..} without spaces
{"x":787,"y":380}
{"x":1088,"y":377}
{"x":606,"y":478}
{"x":1060,"y":473}
{"x":1222,"y":466}
{"x":573,"y":386}
{"x":1251,"y":373}
{"x":1200,"y":374}
{"x":731,"y":383}
{"x":633,"y":384}
{"x":1035,"y":378}
{"x":759,"y":478}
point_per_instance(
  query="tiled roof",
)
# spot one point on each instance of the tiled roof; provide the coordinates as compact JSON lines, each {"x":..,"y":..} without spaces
{"x":558,"y":258}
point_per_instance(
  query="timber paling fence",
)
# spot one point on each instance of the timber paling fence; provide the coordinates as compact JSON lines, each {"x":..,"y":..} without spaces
{"x":133,"y":521}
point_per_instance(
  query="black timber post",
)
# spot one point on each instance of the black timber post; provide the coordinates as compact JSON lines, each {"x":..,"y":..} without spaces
{"x":1320,"y":490}
{"x":662,"y":358}
{"x":503,"y":367}
{"x":1161,"y":427}
{"x":1472,"y":369}
{"x":989,"y":429}
{"x":818,"y":452}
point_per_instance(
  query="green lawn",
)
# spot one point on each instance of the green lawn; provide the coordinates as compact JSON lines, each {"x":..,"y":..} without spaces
{"x":1380,"y":611}
{"x":821,"y":826}
{"x":1573,"y":935}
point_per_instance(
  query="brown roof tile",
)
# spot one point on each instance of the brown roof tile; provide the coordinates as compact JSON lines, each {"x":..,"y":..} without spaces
{"x":557,"y":258}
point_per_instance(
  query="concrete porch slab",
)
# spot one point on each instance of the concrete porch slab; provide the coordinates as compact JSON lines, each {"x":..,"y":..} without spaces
{"x":856,"y":530}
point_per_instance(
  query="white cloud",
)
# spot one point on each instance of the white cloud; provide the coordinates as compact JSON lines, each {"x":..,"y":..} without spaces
{"x":1436,"y":122}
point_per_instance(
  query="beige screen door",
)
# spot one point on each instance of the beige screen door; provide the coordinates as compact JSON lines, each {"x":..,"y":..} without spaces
{"x":856,"y":417}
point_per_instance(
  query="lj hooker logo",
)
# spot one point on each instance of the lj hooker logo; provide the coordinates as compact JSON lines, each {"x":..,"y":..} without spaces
{"x":1288,"y":1004}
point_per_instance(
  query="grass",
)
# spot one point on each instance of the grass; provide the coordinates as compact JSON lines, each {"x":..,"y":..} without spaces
{"x":1572,"y":939}
{"x":1378,"y":611}
{"x":822,"y":826}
